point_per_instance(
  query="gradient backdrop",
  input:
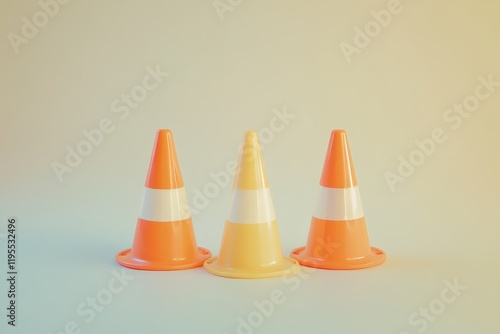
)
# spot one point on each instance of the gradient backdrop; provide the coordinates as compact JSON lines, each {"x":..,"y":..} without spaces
{"x":416,"y":84}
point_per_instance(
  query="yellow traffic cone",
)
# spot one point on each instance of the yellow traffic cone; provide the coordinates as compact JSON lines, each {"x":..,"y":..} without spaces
{"x":251,"y":245}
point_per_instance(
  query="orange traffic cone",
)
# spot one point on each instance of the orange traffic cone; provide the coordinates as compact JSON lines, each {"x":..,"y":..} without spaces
{"x":164,"y":236}
{"x":250,"y":245}
{"x":338,"y":238}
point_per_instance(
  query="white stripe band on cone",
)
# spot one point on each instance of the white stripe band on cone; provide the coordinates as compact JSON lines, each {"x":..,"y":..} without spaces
{"x":165,"y":205}
{"x":251,"y":206}
{"x":339,"y":204}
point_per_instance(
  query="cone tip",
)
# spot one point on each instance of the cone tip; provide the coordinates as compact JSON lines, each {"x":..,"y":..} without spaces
{"x":339,"y":132}
{"x":251,"y":172}
{"x":251,"y":134}
{"x":164,"y":171}
{"x":338,"y":169}
{"x":166,"y":132}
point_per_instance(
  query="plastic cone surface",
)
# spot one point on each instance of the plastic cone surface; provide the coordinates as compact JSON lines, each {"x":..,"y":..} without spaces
{"x":250,"y":245}
{"x":164,"y":236}
{"x":338,"y":238}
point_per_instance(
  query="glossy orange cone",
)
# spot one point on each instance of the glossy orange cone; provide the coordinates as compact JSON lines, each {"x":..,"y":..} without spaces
{"x":164,"y":236}
{"x":338,"y":238}
{"x":251,"y":245}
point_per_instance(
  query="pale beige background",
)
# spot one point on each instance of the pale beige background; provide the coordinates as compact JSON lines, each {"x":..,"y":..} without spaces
{"x":226,"y":76}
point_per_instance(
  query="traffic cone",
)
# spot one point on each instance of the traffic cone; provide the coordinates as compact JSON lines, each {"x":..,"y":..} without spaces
{"x":164,"y":236}
{"x":338,"y":238}
{"x":251,"y":245}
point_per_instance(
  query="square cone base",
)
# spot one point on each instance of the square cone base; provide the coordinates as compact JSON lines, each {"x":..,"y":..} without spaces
{"x":125,"y":259}
{"x":376,"y":257}
{"x":285,"y":267}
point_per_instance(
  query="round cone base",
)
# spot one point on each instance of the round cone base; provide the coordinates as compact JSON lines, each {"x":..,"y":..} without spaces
{"x":376,"y":257}
{"x":125,"y":259}
{"x":285,"y":267}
